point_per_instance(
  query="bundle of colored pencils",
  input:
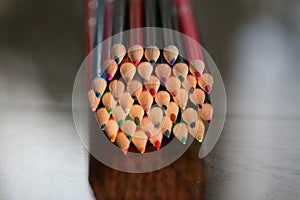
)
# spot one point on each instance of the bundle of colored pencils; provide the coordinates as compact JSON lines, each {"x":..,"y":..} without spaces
{"x":144,"y":93}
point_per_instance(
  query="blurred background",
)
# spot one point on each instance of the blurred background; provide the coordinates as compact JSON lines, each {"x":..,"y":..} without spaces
{"x":255,"y":44}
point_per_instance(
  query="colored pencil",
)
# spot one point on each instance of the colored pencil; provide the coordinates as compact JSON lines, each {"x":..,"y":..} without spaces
{"x":156,"y":140}
{"x":206,"y":112}
{"x":167,"y":127}
{"x":181,"y":98}
{"x":152,"y":53}
{"x":93,"y":100}
{"x":119,"y":25}
{"x":197,"y":97}
{"x":206,"y":82}
{"x":173,"y":84}
{"x":157,"y":114}
{"x":180,"y":131}
{"x":147,"y":126}
{"x":129,"y":127}
{"x":136,"y":114}
{"x":109,"y":102}
{"x":123,"y":142}
{"x":139,"y":139}
{"x":172,"y":111}
{"x":102,"y":117}
{"x":190,"y":117}
{"x":163,"y":71}
{"x":180,"y":70}
{"x":135,"y":50}
{"x":117,"y":88}
{"x":119,"y":115}
{"x":111,"y":129}
{"x":126,"y":101}
{"x":152,"y":85}
{"x":198,"y":131}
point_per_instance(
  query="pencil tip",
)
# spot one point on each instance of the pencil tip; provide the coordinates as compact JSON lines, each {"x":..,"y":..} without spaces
{"x":110,"y":111}
{"x":183,"y":140}
{"x":129,"y":137}
{"x":152,"y":62}
{"x":167,"y":133}
{"x":120,"y":123}
{"x":181,"y":78}
{"x":193,"y":125}
{"x":137,"y":121}
{"x":98,"y":95}
{"x":112,"y":138}
{"x":191,"y":90}
{"x":148,"y":134}
{"x":207,"y":89}
{"x":103,"y":126}
{"x":117,"y":59}
{"x":125,"y":151}
{"x":142,"y":150}
{"x":136,"y":62}
{"x":157,"y":144}
{"x":127,"y":111}
{"x":198,"y":75}
{"x":163,"y":79}
{"x":173,"y":117}
{"x":172,"y":61}
{"x":109,"y":77}
{"x":152,"y":92}
{"x":94,"y":108}
{"x":200,"y":106}
{"x":208,"y":121}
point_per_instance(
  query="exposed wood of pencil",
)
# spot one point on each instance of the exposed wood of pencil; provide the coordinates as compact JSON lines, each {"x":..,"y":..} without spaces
{"x":123,"y":142}
{"x":102,"y":117}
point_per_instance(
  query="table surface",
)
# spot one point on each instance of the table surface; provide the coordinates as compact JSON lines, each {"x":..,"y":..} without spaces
{"x":256,"y":47}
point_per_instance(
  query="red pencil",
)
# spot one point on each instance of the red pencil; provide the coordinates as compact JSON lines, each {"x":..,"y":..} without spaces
{"x":188,"y":27}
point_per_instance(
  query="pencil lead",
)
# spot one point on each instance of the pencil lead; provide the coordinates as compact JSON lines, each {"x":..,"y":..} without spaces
{"x":110,"y":111}
{"x":198,"y":75}
{"x":193,"y":124}
{"x":172,"y":61}
{"x":208,"y":121}
{"x":109,"y":76}
{"x":167,"y":133}
{"x":163,"y":79}
{"x":113,"y":138}
{"x":125,"y":151}
{"x":127,"y":111}
{"x":129,"y":137}
{"x":153,"y":92}
{"x":98,"y":95}
{"x":157,"y":144}
{"x":207,"y":89}
{"x":200,"y":106}
{"x":183,"y":140}
{"x":152,"y":62}
{"x":173,"y":117}
{"x":120,"y":123}
{"x":148,"y":134}
{"x":137,"y":121}
{"x":103,"y":126}
{"x":117,"y":59}
{"x":136,"y":62}
{"x":142,"y":150}
{"x":191,"y":90}
{"x":181,"y":78}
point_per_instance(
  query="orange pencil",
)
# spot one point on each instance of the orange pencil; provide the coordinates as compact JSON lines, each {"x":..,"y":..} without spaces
{"x":139,"y":139}
{"x":102,"y":117}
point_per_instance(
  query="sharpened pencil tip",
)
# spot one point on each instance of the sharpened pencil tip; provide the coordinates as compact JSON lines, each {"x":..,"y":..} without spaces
{"x":198,"y":75}
{"x":181,"y":78}
{"x":110,"y":111}
{"x":136,"y":62}
{"x":191,"y":90}
{"x":109,"y":77}
{"x":98,"y":95}
{"x":125,"y":151}
{"x":127,"y":111}
{"x":94,"y":108}
{"x":200,"y":106}
{"x":167,"y":133}
{"x":117,"y":59}
{"x":183,"y":140}
{"x":173,"y":117}
{"x":163,"y":79}
{"x":152,"y":62}
{"x":157,"y":144}
{"x":120,"y":123}
{"x":207,"y":89}
{"x":112,"y":138}
{"x":103,"y":126}
{"x":152,"y":92}
{"x":148,"y":134}
{"x":172,"y":61}
{"x":142,"y":150}
{"x":208,"y":121}
{"x":137,"y":121}
{"x":129,"y":137}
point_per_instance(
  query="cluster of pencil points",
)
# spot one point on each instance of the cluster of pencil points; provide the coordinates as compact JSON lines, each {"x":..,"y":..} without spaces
{"x":146,"y":93}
